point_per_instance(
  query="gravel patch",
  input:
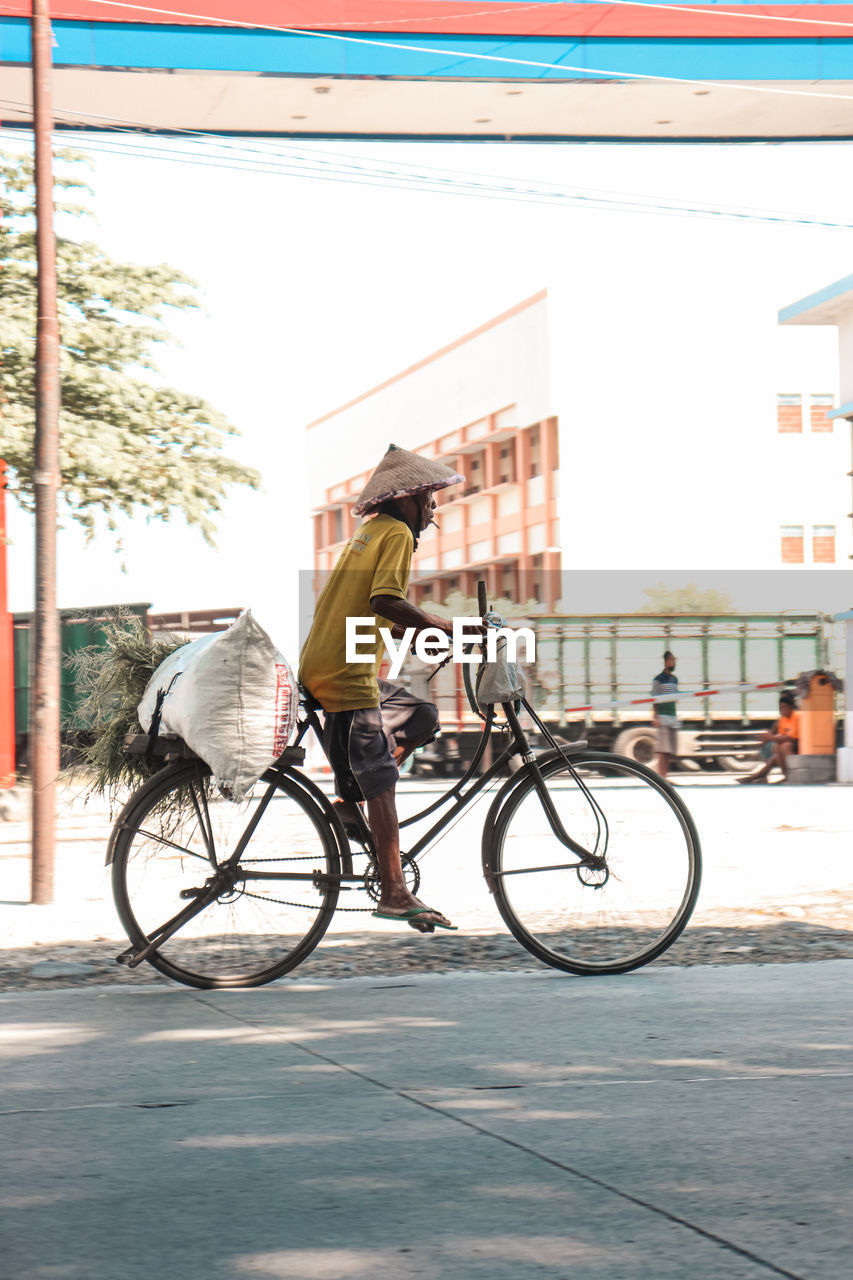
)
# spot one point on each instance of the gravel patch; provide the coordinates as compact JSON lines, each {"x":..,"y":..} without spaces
{"x":44,"y":966}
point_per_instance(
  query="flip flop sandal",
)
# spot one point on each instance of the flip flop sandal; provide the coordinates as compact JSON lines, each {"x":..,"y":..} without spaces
{"x":404,"y":917}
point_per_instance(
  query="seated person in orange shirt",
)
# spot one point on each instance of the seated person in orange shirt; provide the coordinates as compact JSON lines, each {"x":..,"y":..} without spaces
{"x":785,"y":741}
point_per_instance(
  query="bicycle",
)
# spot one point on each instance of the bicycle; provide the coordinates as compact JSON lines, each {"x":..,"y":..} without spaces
{"x":261,"y":880}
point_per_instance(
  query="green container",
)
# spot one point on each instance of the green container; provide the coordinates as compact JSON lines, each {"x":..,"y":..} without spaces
{"x":79,"y":628}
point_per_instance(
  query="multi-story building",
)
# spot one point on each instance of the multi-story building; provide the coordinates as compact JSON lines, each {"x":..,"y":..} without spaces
{"x":482,"y":406}
{"x":724,"y":452}
{"x":820,"y":415}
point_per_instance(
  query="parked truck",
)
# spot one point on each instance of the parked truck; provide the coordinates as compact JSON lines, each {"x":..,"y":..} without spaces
{"x":597,"y":658}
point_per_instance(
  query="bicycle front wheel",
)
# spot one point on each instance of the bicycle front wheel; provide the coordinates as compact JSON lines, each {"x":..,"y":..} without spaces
{"x":262,"y":914}
{"x":627,"y":911}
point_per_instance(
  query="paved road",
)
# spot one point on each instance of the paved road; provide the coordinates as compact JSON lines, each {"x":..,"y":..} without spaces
{"x":670,"y":1123}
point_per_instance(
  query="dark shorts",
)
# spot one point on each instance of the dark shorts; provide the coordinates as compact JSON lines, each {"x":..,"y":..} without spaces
{"x":359,"y":744}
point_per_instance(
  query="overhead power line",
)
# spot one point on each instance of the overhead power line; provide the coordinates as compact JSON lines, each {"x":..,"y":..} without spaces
{"x":325,"y":166}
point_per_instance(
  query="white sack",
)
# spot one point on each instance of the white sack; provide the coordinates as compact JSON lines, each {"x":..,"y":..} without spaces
{"x":499,"y":681}
{"x":232,"y":698}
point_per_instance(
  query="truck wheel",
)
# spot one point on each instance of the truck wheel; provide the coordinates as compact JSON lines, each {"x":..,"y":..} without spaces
{"x":637,"y":744}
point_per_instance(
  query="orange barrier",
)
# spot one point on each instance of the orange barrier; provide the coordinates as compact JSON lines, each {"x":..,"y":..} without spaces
{"x":817,"y":718}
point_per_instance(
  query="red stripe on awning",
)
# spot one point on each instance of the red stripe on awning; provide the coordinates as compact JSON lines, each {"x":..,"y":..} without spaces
{"x":469,"y":17}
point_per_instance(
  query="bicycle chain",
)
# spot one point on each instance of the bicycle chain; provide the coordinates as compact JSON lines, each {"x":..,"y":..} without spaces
{"x":297,"y":857}
{"x":282,"y":902}
{"x":305,"y":906}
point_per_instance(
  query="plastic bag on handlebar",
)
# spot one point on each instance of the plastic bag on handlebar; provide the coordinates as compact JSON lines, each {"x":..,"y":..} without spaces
{"x":501,"y":680}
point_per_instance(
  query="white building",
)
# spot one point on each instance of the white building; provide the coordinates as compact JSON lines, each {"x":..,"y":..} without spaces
{"x":579,"y":452}
{"x":832,"y":308}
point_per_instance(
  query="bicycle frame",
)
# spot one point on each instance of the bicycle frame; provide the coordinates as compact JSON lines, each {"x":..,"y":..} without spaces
{"x":459,"y":798}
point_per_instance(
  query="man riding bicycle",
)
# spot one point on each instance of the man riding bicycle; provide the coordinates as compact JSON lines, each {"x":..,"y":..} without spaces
{"x":371,"y":726}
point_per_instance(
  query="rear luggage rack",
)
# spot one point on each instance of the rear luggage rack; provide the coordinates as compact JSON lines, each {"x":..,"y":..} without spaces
{"x":168,"y":746}
{"x":163,"y":747}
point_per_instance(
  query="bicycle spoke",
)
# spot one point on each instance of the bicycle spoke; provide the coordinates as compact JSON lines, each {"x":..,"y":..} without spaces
{"x":161,"y":839}
{"x":531,"y":871}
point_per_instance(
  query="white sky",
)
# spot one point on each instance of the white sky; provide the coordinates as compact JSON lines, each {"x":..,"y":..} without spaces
{"x":315,"y":291}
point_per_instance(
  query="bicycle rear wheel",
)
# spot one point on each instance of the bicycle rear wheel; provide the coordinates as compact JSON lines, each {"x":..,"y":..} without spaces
{"x":171,"y":847}
{"x":583,"y":920}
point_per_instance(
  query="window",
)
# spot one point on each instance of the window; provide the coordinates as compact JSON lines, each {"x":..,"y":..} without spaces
{"x":506,"y":465}
{"x":823,"y":543}
{"x":475,"y":483}
{"x":789,"y":412}
{"x":337,"y":525}
{"x":535,"y":452}
{"x":792,"y":543}
{"x":537,"y":577}
{"x":820,"y":405}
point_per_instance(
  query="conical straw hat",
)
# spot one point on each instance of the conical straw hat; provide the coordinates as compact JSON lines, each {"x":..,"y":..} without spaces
{"x":402,"y":474}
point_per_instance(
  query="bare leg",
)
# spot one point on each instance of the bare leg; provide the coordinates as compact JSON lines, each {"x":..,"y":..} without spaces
{"x":382,"y":811}
{"x":663,"y":763}
{"x":783,"y":751}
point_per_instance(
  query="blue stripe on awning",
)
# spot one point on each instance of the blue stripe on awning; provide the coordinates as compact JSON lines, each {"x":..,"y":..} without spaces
{"x":144,"y":46}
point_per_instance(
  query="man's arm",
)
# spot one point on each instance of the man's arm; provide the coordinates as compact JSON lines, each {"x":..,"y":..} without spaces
{"x":778,"y":736}
{"x":402,"y":614}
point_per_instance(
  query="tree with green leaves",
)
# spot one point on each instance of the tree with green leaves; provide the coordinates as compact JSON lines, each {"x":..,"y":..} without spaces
{"x":126,"y":441}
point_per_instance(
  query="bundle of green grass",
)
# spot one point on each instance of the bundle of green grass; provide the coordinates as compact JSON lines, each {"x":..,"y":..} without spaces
{"x":110,"y":679}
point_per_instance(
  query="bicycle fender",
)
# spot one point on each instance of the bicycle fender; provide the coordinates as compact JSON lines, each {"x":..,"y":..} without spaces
{"x":491,"y":822}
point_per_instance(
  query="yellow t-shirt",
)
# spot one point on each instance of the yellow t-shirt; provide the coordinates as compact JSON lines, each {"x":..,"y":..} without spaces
{"x":376,"y":561}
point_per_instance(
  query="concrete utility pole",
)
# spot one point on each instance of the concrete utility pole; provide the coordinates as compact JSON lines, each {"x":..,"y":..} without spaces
{"x":44,"y":716}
